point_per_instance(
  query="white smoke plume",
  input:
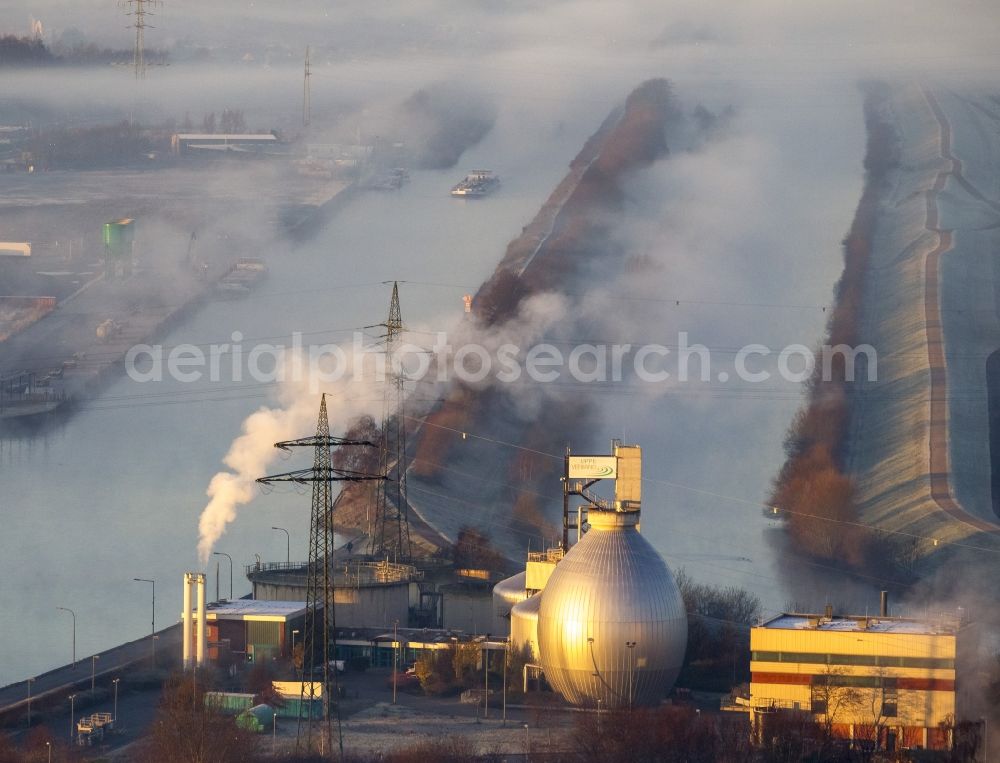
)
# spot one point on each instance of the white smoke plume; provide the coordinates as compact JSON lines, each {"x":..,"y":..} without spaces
{"x":252,"y":453}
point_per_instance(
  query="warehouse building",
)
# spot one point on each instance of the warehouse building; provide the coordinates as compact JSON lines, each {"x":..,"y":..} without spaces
{"x":885,"y":681}
{"x":226,"y":143}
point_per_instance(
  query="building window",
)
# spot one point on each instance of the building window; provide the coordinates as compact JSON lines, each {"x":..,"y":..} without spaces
{"x":890,"y":700}
{"x":819,"y":700}
{"x":885,"y":661}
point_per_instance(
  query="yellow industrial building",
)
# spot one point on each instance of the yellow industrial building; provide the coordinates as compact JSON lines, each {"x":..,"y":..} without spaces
{"x":886,"y":680}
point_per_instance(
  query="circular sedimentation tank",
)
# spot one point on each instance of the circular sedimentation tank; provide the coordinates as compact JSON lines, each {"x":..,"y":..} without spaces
{"x":610,"y":591}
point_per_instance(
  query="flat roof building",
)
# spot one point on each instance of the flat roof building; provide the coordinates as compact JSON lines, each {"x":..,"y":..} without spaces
{"x":225,"y":142}
{"x":886,"y":681}
{"x":262,"y":630}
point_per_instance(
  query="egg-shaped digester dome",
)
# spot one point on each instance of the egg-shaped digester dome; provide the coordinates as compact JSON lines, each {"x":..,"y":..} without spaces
{"x":506,"y":594}
{"x":612,"y":589}
{"x":524,"y":625}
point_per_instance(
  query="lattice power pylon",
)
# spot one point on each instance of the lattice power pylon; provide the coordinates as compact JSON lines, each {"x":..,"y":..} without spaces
{"x":390,"y":532}
{"x":319,"y":633}
{"x":139,"y":9}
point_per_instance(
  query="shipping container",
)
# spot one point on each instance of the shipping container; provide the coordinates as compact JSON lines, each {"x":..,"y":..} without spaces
{"x":228,"y":702}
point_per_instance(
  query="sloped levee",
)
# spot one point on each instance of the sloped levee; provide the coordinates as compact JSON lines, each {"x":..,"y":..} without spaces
{"x":898,"y":472}
{"x":482,"y":456}
{"x":919,"y":445}
{"x":993,"y":383}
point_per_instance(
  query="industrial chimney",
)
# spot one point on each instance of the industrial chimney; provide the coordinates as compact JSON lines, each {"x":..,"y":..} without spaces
{"x":883,"y":608}
{"x":188,"y":636}
{"x":186,"y":623}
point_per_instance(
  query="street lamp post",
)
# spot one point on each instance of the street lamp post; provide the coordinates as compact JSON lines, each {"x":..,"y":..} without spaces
{"x":274,"y":734}
{"x":115,"y":682}
{"x":395,"y":659}
{"x":223,"y":553}
{"x":486,"y":677}
{"x":67,"y":609}
{"x":30,"y":681}
{"x":48,"y":746}
{"x":631,"y":663}
{"x":93,"y":670}
{"x":527,"y":743}
{"x":288,"y":544}
{"x":152,"y":637}
{"x":72,"y":715}
{"x":506,"y":653}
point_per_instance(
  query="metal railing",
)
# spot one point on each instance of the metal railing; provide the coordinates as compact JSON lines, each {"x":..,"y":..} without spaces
{"x":275,"y":567}
{"x":766,"y":705}
{"x":354,"y":573}
{"x":551,"y":555}
{"x":95,"y":721}
{"x":381,"y":572}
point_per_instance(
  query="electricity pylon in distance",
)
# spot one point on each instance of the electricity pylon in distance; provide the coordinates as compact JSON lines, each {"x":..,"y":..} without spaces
{"x":390,"y":533}
{"x":319,"y":644}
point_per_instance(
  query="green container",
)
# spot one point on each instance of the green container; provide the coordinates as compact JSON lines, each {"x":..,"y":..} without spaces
{"x":118,"y":238}
{"x":227,"y":702}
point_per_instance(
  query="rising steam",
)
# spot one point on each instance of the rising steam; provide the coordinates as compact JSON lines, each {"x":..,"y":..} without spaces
{"x":251,"y":454}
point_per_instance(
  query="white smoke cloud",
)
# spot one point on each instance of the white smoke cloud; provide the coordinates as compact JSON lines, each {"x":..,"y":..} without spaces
{"x":251,"y":454}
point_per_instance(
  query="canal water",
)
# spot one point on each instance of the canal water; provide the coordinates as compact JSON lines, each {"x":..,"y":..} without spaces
{"x":115,"y":492}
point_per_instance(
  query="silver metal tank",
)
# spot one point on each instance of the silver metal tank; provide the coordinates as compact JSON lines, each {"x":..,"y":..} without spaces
{"x":612,"y":589}
{"x":524,"y":624}
{"x":506,"y":594}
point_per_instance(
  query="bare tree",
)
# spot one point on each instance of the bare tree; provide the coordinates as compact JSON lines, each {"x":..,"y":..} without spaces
{"x":473,"y":550}
{"x":790,"y":736}
{"x":232,"y":122}
{"x":464,"y":657}
{"x":834,"y":700}
{"x":187,"y":731}
{"x":877,"y":704}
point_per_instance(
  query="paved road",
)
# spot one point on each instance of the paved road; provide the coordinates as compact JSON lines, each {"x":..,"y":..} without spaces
{"x":135,"y":714}
{"x":14,"y":698}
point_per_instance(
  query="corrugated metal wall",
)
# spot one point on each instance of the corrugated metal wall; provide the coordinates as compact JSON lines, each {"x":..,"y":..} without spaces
{"x":265,"y":637}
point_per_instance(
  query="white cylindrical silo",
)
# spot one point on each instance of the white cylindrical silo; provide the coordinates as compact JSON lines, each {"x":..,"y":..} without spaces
{"x":186,"y":630}
{"x":612,"y":625}
{"x":202,"y":626}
